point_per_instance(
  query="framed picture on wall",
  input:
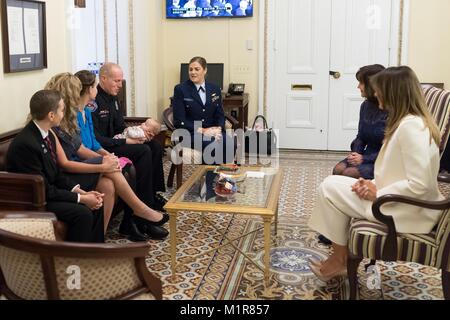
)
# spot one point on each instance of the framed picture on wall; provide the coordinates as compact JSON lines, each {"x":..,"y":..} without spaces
{"x":24,"y":35}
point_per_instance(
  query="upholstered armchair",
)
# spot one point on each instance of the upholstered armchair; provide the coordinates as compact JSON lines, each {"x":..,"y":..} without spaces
{"x":185,"y":155}
{"x":438,"y":101}
{"x":380,"y":241}
{"x":34,"y":266}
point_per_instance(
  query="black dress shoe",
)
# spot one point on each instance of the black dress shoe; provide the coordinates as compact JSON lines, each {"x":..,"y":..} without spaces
{"x":324,"y":240}
{"x":132,"y":232}
{"x":154,"y":232}
{"x":163,"y":221}
{"x":159,"y":223}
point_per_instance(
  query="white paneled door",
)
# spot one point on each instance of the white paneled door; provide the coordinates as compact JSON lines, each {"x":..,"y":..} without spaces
{"x":319,"y":45}
{"x":302,"y":41}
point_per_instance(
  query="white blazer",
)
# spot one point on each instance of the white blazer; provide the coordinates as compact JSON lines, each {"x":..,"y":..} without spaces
{"x":408,"y":165}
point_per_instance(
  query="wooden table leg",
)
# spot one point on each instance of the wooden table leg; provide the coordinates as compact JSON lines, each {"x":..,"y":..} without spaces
{"x":173,"y":242}
{"x":267,"y":244}
{"x":276,"y":222}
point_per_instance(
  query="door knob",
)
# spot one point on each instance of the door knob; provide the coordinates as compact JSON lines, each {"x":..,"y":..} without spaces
{"x":335,"y":74}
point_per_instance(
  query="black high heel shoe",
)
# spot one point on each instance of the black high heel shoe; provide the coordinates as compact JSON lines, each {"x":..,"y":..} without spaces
{"x":324,"y":240}
{"x":150,"y":230}
{"x":159,"y":223}
{"x":163,"y":221}
{"x":132,"y":232}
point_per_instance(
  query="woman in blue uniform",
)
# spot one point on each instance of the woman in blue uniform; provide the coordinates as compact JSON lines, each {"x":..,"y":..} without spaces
{"x":197,"y":108}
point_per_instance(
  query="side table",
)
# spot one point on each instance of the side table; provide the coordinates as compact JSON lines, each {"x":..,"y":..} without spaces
{"x":237,"y":107}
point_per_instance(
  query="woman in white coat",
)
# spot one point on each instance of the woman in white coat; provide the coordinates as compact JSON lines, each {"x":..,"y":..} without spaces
{"x":407,"y":165}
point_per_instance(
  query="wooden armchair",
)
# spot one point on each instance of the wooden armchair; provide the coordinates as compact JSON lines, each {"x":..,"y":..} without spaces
{"x":34,"y":266}
{"x":22,"y":192}
{"x":186,"y":154}
{"x":26,"y":192}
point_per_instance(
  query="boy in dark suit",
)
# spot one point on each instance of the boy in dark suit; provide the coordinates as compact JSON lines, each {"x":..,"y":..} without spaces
{"x":33,"y":151}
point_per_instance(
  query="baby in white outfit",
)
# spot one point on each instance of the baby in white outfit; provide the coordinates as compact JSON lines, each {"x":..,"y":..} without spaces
{"x":147,"y":130}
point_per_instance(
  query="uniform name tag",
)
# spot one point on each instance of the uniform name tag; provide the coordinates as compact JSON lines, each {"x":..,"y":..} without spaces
{"x":189,"y":100}
{"x":104,"y":113}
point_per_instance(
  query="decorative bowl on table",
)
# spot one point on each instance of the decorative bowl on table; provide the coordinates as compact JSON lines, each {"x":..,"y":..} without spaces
{"x":225,"y":187}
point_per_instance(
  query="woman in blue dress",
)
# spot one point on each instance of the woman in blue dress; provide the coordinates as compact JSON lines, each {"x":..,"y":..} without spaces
{"x":372,"y":121}
{"x":365,"y":148}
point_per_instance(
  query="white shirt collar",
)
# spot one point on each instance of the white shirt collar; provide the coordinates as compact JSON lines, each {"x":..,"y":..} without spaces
{"x":201,"y":85}
{"x":43,"y":132}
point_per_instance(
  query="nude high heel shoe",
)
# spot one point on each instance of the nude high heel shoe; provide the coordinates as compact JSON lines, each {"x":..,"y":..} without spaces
{"x":316,"y":262}
{"x":338,"y":273}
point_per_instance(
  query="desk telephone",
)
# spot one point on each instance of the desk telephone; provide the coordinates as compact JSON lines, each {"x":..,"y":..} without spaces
{"x":236,"y":89}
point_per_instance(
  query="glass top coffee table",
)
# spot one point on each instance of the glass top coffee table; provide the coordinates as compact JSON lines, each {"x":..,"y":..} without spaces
{"x":258,"y":191}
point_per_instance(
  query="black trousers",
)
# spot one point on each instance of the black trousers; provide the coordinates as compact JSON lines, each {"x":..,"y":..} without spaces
{"x":445,"y":160}
{"x":83,"y":224}
{"x":147,"y":160}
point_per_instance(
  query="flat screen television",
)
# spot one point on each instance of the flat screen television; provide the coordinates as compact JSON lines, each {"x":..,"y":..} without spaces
{"x":192,"y":9}
{"x":214,"y":75}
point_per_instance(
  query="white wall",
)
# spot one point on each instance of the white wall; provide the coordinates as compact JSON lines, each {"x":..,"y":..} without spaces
{"x":17,"y":89}
{"x":429,"y":42}
{"x":161,"y":45}
{"x":219,"y":40}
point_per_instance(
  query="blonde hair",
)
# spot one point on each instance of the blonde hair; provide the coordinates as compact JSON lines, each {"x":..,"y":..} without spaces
{"x":400,"y":93}
{"x":155,"y":124}
{"x":69,"y":86}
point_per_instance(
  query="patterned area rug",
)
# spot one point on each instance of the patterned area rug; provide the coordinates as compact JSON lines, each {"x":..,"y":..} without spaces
{"x":224,"y":274}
